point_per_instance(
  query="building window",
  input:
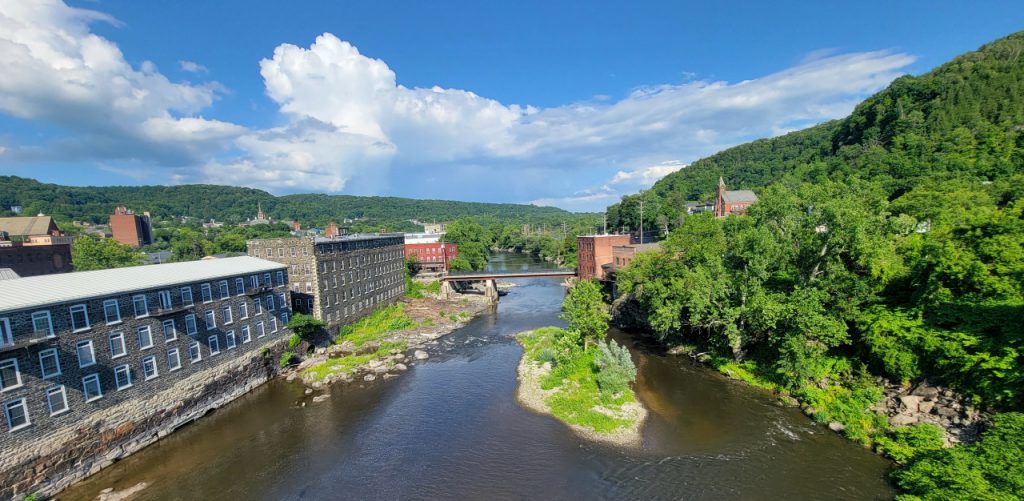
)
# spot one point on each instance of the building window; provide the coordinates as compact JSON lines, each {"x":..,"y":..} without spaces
{"x":224,"y":292}
{"x":10,"y":376}
{"x":309,"y":288}
{"x":57,"y":400}
{"x":225,"y":312}
{"x":170,"y":331}
{"x":294,"y":253}
{"x":284,"y":318}
{"x":86,"y":356}
{"x":273,"y":325}
{"x":190,"y":325}
{"x":214,"y":344}
{"x":6,"y":338}
{"x":117,"y":348}
{"x":270,"y":302}
{"x":243,"y":311}
{"x":211,"y":320}
{"x":79,"y":317}
{"x":165,"y":299}
{"x":239,"y":286}
{"x":229,"y":340}
{"x":111,"y":311}
{"x":282,"y":302}
{"x":17,"y":414}
{"x":194,"y":355}
{"x":254,"y":281}
{"x":280,"y":252}
{"x":206,"y":293}
{"x":266,"y":280}
{"x":91,"y":388}
{"x":270,"y":253}
{"x":186,"y":296}
{"x":173,"y":359}
{"x":149,"y":370}
{"x":145,"y":335}
{"x":280,"y":278}
{"x":246,"y":337}
{"x":259,"y":330}
{"x":49,"y":363}
{"x":123,"y":376}
{"x":257,"y":305}
{"x":42,"y":325}
{"x":140,"y":305}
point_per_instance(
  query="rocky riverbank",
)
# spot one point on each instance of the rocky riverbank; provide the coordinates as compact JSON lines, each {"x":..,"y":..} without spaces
{"x":926,"y":403}
{"x":390,"y":353}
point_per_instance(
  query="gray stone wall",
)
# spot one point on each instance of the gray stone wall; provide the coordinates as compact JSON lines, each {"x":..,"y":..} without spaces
{"x":54,"y":448}
{"x":297,"y":254}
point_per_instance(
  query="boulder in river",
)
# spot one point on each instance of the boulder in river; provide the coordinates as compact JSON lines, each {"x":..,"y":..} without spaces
{"x":420,"y":355}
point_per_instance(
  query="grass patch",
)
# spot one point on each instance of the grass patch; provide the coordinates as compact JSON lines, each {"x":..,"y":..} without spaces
{"x":376,"y":326}
{"x":345,"y":365}
{"x":577,"y":400}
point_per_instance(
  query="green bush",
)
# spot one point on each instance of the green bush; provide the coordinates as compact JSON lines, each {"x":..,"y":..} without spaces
{"x":615,"y":367}
{"x":905,"y":442}
{"x":546,"y":355}
{"x":294,"y":341}
{"x":433,"y":287}
{"x":288,"y":358}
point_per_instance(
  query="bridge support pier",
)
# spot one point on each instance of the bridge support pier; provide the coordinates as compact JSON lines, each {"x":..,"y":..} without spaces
{"x":491,"y":290}
{"x":446,"y":289}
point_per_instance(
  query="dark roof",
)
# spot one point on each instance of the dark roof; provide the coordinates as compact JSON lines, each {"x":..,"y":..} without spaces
{"x":739,"y":196}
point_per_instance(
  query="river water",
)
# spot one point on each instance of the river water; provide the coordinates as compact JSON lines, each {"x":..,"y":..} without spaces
{"x":450,"y":428}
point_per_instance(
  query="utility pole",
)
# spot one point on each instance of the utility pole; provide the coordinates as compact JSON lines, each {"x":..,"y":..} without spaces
{"x":605,"y":232}
{"x":641,"y":220}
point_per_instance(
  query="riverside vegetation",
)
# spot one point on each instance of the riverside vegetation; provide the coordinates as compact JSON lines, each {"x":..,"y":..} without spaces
{"x":887,"y":245}
{"x":579,"y":378}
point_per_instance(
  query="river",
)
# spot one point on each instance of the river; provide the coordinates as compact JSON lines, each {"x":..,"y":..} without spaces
{"x":450,"y":428}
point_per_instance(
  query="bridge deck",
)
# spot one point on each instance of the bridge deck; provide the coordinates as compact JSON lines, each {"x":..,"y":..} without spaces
{"x":509,"y":274}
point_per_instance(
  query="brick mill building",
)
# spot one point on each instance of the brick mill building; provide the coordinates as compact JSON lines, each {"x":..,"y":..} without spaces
{"x":595,"y":252}
{"x":732,"y":202}
{"x":32,"y":246}
{"x":339,"y":280}
{"x":130,"y":228}
{"x":97,"y":364}
{"x":430,"y":251}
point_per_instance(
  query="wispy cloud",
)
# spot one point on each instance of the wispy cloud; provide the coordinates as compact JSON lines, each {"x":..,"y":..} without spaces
{"x":192,"y":67}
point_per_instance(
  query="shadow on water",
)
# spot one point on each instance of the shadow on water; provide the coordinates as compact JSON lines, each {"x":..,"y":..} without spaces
{"x":451,"y":428}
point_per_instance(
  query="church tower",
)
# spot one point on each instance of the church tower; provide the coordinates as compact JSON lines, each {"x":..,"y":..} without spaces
{"x":720,"y":199}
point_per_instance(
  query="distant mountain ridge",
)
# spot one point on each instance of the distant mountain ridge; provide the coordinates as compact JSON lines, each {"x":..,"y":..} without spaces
{"x":964,"y":119}
{"x":233,"y":204}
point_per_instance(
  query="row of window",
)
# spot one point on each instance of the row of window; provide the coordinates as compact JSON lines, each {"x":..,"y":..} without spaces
{"x":351,"y":246}
{"x":16,"y":410}
{"x":43,"y":326}
{"x":339,"y":315}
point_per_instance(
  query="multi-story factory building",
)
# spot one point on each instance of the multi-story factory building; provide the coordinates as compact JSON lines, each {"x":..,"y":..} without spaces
{"x":341,"y":279}
{"x":96,"y":364}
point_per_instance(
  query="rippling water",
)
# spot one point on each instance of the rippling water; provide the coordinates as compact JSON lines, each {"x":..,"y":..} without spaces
{"x":451,"y":428}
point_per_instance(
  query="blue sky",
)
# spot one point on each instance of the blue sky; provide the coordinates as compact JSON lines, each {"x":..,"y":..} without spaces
{"x":563,"y":103}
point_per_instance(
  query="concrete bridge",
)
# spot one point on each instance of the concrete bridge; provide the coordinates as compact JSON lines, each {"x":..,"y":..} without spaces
{"x":490,"y":278}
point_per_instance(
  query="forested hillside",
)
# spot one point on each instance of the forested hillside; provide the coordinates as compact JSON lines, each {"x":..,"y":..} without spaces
{"x":233,"y":205}
{"x":887,"y":244}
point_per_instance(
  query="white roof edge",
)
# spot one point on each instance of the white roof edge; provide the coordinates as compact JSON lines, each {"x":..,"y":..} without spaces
{"x":44,"y":290}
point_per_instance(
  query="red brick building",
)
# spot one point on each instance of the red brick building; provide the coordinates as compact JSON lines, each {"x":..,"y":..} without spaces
{"x":130,"y":228}
{"x":432,"y":255}
{"x":34,"y":246}
{"x":593,"y":252}
{"x":732,"y":202}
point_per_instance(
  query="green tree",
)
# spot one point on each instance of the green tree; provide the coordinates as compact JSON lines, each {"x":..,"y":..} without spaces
{"x":89,"y":253}
{"x":585,"y":312}
{"x":306,"y":326}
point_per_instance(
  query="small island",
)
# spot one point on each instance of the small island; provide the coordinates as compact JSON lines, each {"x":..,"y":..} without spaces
{"x":580,"y":379}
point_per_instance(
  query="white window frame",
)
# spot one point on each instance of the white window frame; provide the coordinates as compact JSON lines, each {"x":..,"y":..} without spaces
{"x":85,"y":312}
{"x":166,"y":302}
{"x":267,"y":281}
{"x":149,"y":334}
{"x":156,"y":368}
{"x":42,"y":366}
{"x":246,"y":334}
{"x":173,"y":354}
{"x":145,"y":305}
{"x":92,"y":353}
{"x":223,"y":289}
{"x":260,"y":330}
{"x":243,"y":310}
{"x":254,"y":280}
{"x":284,"y":318}
{"x":85,"y":390}
{"x":273,"y":325}
{"x":118,"y":335}
{"x":126,"y":371}
{"x":198,"y":352}
{"x":174,"y":330}
{"x":6,"y":336}
{"x":280,"y":278}
{"x":270,"y":302}
{"x":230,"y":342}
{"x":44,"y":314}
{"x":225,"y":313}
{"x":257,"y":305}
{"x":186,"y":296}
{"x":240,"y":286}
{"x":17,"y":374}
{"x":213,"y":342}
{"x":117,"y":311}
{"x":191,"y":327}
{"x":17,"y":402}
{"x":205,"y":291}
{"x":210,"y":318}
{"x":57,"y":390}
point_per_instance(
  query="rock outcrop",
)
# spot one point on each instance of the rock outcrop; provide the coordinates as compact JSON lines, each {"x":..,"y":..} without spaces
{"x":926,"y":403}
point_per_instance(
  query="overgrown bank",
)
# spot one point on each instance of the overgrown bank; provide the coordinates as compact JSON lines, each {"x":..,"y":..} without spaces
{"x":579,"y":378}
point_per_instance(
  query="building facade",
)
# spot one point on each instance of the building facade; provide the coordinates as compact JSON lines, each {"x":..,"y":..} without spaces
{"x":434,"y":228}
{"x":130,"y":228}
{"x":622,"y":255}
{"x":339,"y":280}
{"x":594,"y":254}
{"x":36,"y":255}
{"x":97,"y":364}
{"x":734,"y":202}
{"x":430,"y":251}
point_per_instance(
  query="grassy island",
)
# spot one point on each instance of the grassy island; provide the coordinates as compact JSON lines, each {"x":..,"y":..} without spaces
{"x":579,"y":379}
